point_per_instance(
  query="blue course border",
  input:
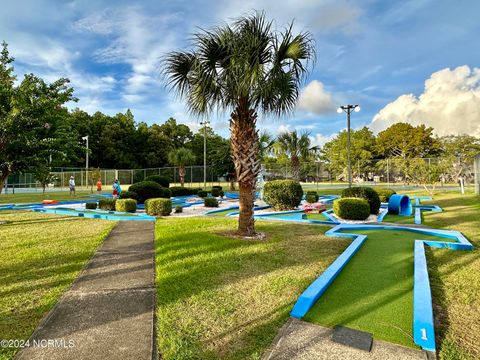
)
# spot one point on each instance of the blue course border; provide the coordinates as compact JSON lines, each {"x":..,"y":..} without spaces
{"x":423,"y":328}
{"x":96,"y":214}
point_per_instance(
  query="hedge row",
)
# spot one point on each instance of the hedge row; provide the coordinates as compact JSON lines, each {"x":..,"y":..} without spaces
{"x":107,"y":204}
{"x":158,"y":206}
{"x":126,"y":205}
{"x":366,"y":193}
{"x":145,"y":190}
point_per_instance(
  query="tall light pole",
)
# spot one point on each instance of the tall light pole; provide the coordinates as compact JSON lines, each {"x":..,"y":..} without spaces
{"x":348,"y":109}
{"x":205,"y":125}
{"x":86,"y":160}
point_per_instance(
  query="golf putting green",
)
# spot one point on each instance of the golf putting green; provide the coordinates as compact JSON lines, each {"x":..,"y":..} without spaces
{"x":374,"y":292}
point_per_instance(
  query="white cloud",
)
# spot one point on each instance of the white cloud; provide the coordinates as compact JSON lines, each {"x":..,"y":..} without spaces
{"x":315,"y":99}
{"x":283,"y":129}
{"x":320,"y":139}
{"x":450,"y":104}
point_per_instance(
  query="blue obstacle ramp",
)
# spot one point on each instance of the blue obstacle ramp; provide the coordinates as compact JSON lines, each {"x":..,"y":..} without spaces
{"x":400,"y":205}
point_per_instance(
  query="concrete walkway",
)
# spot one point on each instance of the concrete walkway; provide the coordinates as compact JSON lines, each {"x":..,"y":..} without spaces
{"x":109,"y":311}
{"x":300,"y":340}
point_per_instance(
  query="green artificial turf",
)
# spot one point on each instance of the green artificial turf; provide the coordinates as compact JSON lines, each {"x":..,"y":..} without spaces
{"x":219,"y":297}
{"x":311,"y":216}
{"x":399,"y":219}
{"x":41,"y":255}
{"x":223,"y":213}
{"x":374,"y":292}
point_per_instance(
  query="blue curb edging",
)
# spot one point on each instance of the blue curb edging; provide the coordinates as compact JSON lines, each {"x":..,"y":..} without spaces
{"x":423,"y":326}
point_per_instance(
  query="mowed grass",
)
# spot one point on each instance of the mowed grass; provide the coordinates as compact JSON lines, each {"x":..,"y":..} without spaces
{"x":455,"y":277}
{"x":224,"y":298}
{"x":41,"y":256}
{"x":39,"y":196}
{"x":374,"y":292}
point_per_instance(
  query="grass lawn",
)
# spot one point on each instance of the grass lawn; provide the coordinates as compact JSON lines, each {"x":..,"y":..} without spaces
{"x":374,"y":292}
{"x":39,"y":196}
{"x":41,"y":255}
{"x":225,"y":298}
{"x":455,"y":277}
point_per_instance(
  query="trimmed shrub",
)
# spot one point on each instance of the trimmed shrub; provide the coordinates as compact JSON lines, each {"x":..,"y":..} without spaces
{"x":211,"y":202}
{"x":202,"y":193}
{"x":161,"y":180}
{"x":107,"y":204}
{"x":366,"y":193}
{"x":222,"y":194}
{"x":148,"y":190}
{"x":91,"y":205}
{"x":384,"y":194}
{"x":311,"y":197}
{"x":126,"y":205}
{"x":215,"y":192}
{"x":158,"y":206}
{"x":178,"y":209}
{"x":128,"y":195}
{"x":183,"y":191}
{"x":351,"y":208}
{"x":217,"y":187}
{"x":283,"y":194}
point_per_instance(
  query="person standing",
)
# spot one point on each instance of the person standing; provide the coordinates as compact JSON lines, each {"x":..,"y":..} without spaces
{"x":99,"y":186}
{"x":71,"y":185}
{"x":116,"y":189}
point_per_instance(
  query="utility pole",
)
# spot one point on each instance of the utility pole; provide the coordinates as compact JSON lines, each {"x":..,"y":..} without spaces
{"x":205,"y":124}
{"x":86,"y":160}
{"x":348,"y":109}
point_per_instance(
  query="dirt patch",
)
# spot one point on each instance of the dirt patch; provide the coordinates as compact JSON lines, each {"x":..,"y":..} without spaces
{"x":235,"y":234}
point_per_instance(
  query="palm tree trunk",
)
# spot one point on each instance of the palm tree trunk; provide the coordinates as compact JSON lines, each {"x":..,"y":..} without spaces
{"x":244,"y":140}
{"x":295,"y":162}
{"x":181,"y":173}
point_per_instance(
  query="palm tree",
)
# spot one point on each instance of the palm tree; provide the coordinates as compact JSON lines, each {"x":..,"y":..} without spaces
{"x":296,"y":148}
{"x":265,"y":144}
{"x":246,"y":68}
{"x":181,"y":157}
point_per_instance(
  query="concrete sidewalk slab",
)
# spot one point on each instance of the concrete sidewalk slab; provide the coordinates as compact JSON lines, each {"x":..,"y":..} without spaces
{"x":300,"y":340}
{"x":109,"y":312}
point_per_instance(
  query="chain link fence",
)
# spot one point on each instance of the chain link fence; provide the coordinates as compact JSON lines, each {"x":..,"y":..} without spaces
{"x":385,"y":172}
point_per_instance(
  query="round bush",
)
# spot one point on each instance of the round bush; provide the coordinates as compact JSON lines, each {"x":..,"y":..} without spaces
{"x":351,"y":208}
{"x":311,"y":197}
{"x":158,"y":206}
{"x":211,"y":202}
{"x":202,"y":193}
{"x":161,"y":180}
{"x":107,"y":204}
{"x":126,"y":205}
{"x":366,"y":193}
{"x":384,"y":194}
{"x":215,"y":192}
{"x":283,"y":194}
{"x":148,"y":190}
{"x":178,"y":209}
{"x":128,"y":195}
{"x":91,"y":205}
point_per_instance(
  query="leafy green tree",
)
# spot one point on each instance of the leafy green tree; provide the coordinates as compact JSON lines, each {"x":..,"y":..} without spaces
{"x":459,"y":151}
{"x":27,"y":112}
{"x":362,"y":151}
{"x":179,"y":134}
{"x":265,"y":144}
{"x":181,"y":157}
{"x":407,"y":141}
{"x":297,"y":148}
{"x":244,"y":67}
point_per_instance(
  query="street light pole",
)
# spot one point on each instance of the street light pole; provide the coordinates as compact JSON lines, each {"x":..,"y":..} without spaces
{"x":205,"y":124}
{"x":348,"y":109}
{"x":86,"y":160}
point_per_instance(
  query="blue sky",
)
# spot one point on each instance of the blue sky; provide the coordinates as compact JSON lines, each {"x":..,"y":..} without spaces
{"x":413,"y":61}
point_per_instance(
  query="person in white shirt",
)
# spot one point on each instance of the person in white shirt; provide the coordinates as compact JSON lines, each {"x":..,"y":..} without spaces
{"x":71,"y":185}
